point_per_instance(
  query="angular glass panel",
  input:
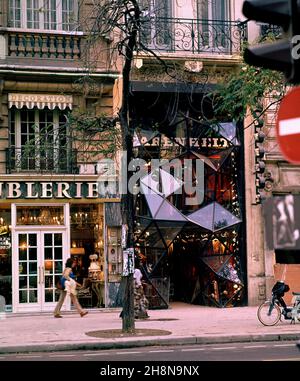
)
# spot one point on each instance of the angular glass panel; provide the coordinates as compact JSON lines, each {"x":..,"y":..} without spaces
{"x":169,"y":234}
{"x":142,"y":223}
{"x":32,"y":254}
{"x":203,"y":217}
{"x":223,"y":218}
{"x":33,"y":281}
{"x":218,"y":159}
{"x":206,"y":160}
{"x":169,"y":183}
{"x":150,"y":237}
{"x":152,"y":181}
{"x":22,"y":282}
{"x":213,"y":217}
{"x":154,"y":200}
{"x":142,"y":137}
{"x":48,"y":239}
{"x":32,"y":268}
{"x":23,"y":297}
{"x":153,"y":238}
{"x":230,"y":273}
{"x":217,"y":262}
{"x":228,"y":131}
{"x":135,"y":141}
{"x":168,"y":212}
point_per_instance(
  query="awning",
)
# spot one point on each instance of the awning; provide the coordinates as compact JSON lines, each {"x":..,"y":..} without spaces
{"x":40,"y":101}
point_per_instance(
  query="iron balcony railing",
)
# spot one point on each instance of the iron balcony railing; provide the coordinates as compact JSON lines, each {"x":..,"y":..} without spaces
{"x":48,"y":159}
{"x":193,"y":35}
{"x":41,"y":159}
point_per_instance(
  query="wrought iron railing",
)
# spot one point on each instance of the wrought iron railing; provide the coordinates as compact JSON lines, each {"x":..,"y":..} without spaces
{"x":44,"y":45}
{"x":41,"y":159}
{"x":193,"y":35}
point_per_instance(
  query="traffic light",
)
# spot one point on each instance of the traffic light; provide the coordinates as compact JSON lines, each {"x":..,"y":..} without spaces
{"x":280,"y":55}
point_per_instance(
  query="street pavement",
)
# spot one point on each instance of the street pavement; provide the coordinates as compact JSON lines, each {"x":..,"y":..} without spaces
{"x":187,"y":324}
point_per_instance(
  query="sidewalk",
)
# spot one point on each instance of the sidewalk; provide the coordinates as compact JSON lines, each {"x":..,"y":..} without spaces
{"x":187,"y":324}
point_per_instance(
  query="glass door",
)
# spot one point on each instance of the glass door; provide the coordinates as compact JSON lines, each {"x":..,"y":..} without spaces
{"x":38,"y":266}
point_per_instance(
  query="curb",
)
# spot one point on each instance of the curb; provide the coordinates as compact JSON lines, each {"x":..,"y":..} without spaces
{"x":46,"y":347}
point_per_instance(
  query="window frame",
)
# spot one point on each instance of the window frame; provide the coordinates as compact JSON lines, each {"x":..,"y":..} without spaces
{"x":55,"y":9}
{"x":15,"y":137}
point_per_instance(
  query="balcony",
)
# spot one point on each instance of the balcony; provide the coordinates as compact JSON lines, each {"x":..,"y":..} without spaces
{"x":40,"y":160}
{"x":175,"y":35}
{"x":57,"y":160}
{"x":38,"y":44}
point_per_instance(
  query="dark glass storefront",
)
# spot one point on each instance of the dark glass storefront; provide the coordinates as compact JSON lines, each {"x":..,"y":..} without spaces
{"x":5,"y":261}
{"x":191,"y":251}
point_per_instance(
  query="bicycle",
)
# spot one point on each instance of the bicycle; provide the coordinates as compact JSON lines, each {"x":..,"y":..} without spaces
{"x":271,"y":311}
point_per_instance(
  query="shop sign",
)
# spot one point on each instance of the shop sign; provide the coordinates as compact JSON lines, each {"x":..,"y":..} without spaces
{"x":53,"y":190}
{"x":40,"y":101}
{"x":208,"y":142}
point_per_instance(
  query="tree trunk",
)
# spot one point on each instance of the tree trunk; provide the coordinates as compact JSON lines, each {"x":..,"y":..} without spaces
{"x":127,"y":136}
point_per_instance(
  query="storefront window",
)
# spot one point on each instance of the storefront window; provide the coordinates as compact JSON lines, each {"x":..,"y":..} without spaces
{"x":49,"y":215}
{"x":5,"y":259}
{"x":87,"y":248}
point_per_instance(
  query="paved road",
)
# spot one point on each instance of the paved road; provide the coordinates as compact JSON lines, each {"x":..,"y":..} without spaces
{"x":262,"y":351}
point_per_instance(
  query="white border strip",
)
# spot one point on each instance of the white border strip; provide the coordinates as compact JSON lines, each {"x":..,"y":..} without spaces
{"x":289,"y":126}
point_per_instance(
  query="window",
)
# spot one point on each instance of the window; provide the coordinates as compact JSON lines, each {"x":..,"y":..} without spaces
{"x":38,"y":140}
{"x":157,"y":24}
{"x":213,"y":10}
{"x":213,"y":26}
{"x":43,"y":14}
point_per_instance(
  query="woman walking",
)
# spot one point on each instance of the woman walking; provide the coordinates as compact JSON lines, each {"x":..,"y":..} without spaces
{"x":68,"y":284}
{"x":140,"y":301}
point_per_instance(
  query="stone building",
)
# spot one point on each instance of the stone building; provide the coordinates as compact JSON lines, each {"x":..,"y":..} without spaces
{"x":57,"y":194}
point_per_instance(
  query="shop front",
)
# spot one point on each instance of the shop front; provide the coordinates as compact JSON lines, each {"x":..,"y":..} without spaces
{"x":39,"y":230}
{"x":189,"y":215}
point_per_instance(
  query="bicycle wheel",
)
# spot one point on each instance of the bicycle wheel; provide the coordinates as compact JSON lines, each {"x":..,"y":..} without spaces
{"x":298,"y":311}
{"x":268,"y":316}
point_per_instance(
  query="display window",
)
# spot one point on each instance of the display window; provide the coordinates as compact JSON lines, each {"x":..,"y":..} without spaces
{"x":87,"y":248}
{"x":5,"y":261}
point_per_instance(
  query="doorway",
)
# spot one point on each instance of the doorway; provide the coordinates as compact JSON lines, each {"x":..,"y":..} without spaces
{"x":40,"y":243}
{"x":37,"y":266}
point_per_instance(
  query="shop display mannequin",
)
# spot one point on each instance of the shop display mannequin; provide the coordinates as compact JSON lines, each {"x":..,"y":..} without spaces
{"x":96,"y":275}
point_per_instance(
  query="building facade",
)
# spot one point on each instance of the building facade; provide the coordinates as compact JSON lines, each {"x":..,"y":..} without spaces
{"x":192,"y":250}
{"x":58,"y":196}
